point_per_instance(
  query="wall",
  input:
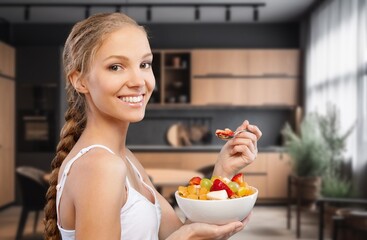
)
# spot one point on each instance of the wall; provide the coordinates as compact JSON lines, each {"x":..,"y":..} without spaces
{"x":4,"y":30}
{"x":178,"y":35}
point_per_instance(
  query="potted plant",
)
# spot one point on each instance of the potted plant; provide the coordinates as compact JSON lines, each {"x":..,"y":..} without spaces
{"x":336,"y":180}
{"x":309,"y":156}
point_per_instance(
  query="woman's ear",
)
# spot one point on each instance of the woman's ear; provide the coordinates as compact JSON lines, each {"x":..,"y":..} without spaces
{"x":78,"y":82}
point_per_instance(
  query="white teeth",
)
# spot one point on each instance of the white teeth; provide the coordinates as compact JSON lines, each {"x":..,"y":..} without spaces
{"x":132,"y":99}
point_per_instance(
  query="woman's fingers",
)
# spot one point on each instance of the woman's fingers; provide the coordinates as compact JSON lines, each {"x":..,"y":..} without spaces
{"x":255,"y":130}
{"x":215,"y":232}
{"x":243,"y":126}
{"x":244,"y":142}
{"x":251,"y":128}
{"x":247,"y":219}
{"x":244,"y":151}
{"x":228,"y":230}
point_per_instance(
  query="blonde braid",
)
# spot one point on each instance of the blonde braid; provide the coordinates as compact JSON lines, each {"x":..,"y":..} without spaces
{"x":70,"y":133}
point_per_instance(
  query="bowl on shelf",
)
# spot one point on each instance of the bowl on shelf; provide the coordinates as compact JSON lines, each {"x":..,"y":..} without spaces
{"x":217,"y":211}
{"x":177,"y":84}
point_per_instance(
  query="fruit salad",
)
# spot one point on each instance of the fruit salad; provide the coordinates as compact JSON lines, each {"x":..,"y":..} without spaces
{"x":216,"y":188}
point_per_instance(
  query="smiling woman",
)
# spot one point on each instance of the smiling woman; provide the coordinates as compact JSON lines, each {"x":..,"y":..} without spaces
{"x":98,"y":189}
{"x":110,"y":82}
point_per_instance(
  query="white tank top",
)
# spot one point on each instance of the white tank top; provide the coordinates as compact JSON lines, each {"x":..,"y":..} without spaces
{"x":140,"y":218}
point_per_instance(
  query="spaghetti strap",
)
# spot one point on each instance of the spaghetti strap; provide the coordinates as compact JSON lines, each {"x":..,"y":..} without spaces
{"x":135,"y":169}
{"x":142,"y":181}
{"x":60,"y":185}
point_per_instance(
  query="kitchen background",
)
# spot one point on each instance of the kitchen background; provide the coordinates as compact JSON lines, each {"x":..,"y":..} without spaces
{"x":39,"y":88}
{"x":214,"y":65}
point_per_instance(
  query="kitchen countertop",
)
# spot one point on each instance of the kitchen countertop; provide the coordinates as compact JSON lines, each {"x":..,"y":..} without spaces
{"x":193,"y":148}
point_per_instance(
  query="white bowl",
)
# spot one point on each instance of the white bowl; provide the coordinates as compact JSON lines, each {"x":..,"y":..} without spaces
{"x":217,"y":211}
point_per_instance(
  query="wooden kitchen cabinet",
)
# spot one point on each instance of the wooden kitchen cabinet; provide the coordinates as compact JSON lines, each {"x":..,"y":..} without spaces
{"x":7,"y":141}
{"x":218,"y":91}
{"x":228,"y":62}
{"x":7,"y":60}
{"x":244,"y":91}
{"x":256,"y":174}
{"x":269,"y":174}
{"x":246,"y":62}
{"x":247,"y":77}
{"x":279,"y":168}
{"x":273,"y":91}
{"x":274,"y":62}
{"x":7,"y":124}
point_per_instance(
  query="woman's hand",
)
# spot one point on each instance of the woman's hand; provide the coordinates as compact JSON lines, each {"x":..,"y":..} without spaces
{"x":203,"y":231}
{"x":238,"y":152}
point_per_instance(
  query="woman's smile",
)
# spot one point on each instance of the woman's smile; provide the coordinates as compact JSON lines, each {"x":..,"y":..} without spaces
{"x":133,"y":100}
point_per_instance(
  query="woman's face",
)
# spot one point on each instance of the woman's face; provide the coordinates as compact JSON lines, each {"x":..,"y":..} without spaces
{"x":121,"y":79}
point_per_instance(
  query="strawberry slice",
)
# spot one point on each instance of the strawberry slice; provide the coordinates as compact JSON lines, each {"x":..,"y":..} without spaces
{"x":238,"y":178}
{"x":219,"y":185}
{"x":195,"y":181}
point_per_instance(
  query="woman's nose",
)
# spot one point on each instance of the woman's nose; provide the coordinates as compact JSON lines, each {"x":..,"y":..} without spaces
{"x":136,"y":78}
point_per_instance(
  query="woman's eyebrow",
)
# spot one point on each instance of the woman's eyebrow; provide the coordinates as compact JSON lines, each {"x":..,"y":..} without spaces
{"x":148,"y":55}
{"x":126,"y":58}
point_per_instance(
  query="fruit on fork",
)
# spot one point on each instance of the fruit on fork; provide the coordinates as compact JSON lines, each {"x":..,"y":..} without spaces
{"x":227,"y":133}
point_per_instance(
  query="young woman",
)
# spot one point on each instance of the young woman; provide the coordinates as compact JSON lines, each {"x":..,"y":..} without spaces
{"x":98,"y":189}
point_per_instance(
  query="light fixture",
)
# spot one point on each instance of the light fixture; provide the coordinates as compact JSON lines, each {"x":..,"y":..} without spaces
{"x":149,"y":13}
{"x":118,"y":8}
{"x":87,"y":12}
{"x":147,"y":5}
{"x":26,"y":12}
{"x":197,"y":13}
{"x":256,"y":14}
{"x":228,"y":13}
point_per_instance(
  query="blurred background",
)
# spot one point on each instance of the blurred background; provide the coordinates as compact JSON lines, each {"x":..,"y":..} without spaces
{"x":297,"y":69}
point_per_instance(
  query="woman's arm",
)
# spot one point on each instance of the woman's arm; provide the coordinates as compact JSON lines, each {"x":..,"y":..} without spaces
{"x":238,"y":152}
{"x":98,"y":193}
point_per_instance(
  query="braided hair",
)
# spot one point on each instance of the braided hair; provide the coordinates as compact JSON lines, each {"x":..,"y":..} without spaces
{"x":83,"y":42}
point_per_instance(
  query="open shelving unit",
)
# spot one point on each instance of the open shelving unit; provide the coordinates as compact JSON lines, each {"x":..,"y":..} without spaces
{"x":172,"y":70}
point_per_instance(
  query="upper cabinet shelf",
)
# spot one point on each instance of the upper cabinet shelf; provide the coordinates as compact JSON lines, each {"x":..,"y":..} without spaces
{"x":244,"y":77}
{"x":231,"y":62}
{"x":273,"y":63}
{"x":245,"y":63}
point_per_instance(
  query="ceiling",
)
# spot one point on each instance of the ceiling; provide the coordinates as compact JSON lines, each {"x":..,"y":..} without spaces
{"x":274,"y":11}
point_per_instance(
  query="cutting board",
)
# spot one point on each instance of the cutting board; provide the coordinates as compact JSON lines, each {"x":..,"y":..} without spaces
{"x":178,"y":136}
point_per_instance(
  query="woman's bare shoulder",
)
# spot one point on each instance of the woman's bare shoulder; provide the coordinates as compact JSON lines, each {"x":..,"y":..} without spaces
{"x":99,"y":161}
{"x":96,"y":170}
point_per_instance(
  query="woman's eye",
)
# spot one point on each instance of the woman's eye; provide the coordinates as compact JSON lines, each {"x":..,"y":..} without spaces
{"x":146,"y":65}
{"x":115,"y":67}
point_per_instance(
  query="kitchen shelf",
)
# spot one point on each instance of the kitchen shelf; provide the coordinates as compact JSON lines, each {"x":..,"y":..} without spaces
{"x":173,"y":77}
